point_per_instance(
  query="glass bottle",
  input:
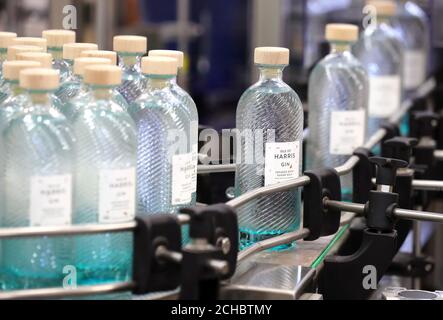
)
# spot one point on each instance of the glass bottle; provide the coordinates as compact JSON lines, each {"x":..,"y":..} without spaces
{"x":269,"y":132}
{"x":165,"y":164}
{"x":55,"y":41}
{"x":105,"y":178}
{"x":79,"y":90}
{"x":381,"y":54}
{"x":38,"y":169}
{"x":338,"y":100}
{"x":187,"y":102}
{"x":130,"y":50}
{"x":5,"y":42}
{"x":69,"y":86}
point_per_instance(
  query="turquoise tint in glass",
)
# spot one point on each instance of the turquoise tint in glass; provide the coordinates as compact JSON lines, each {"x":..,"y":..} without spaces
{"x":133,"y":82}
{"x":381,"y":54}
{"x":38,"y":158}
{"x":270,"y":125}
{"x":165,"y":163}
{"x":338,"y":99}
{"x":58,"y":63}
{"x":105,"y":185}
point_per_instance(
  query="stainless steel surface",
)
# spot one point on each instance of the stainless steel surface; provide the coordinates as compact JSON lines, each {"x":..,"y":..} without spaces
{"x":267,"y":281}
{"x":215,"y":168}
{"x":438,"y":154}
{"x":52,"y":293}
{"x":346,"y":206}
{"x":254,"y":194}
{"x":418,"y":215}
{"x":273,"y":242}
{"x":429,"y":185}
{"x":416,"y":250}
{"x":66,"y":230}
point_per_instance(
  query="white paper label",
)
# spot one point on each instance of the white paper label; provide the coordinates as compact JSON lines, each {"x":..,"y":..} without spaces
{"x":117,"y":195}
{"x":384,"y":95}
{"x":414,"y":69}
{"x":282,"y":161}
{"x":182,"y":178}
{"x":194,"y":162}
{"x":347,"y":131}
{"x":51,"y":200}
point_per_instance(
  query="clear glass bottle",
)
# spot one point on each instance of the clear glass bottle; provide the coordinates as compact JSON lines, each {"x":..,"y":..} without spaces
{"x":105,"y":178}
{"x":11,"y":54}
{"x":15,"y":103}
{"x":412,"y":27}
{"x":68,"y":88}
{"x":55,"y":41}
{"x":187,"y":102}
{"x":381,"y":54}
{"x":270,"y":132}
{"x":165,"y":164}
{"x":38,"y":168}
{"x":338,"y":94}
{"x":130,"y":50}
{"x":79,"y":90}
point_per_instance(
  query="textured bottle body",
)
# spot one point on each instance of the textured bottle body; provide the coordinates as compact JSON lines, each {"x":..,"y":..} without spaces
{"x":192,"y":113}
{"x":133,"y":81}
{"x":104,"y":189}
{"x":64,"y":67}
{"x":380,"y":53}
{"x":67,"y":91}
{"x":411,"y":26}
{"x":269,"y":106}
{"x":38,"y":176}
{"x":10,"y":108}
{"x":338,"y":101}
{"x":164,"y":162}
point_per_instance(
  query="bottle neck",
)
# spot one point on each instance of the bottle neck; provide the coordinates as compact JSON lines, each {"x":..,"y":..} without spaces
{"x":128,"y":60}
{"x":101,"y":92}
{"x":15,"y":87}
{"x":40,"y":97}
{"x":340,"y":47}
{"x":271,"y":72}
{"x":156,"y":82}
{"x":56,"y":52}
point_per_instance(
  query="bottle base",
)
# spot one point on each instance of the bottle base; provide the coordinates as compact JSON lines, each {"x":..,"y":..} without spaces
{"x":248,"y":238}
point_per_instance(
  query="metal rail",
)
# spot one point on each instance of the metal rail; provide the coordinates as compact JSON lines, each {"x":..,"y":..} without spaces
{"x":71,"y":230}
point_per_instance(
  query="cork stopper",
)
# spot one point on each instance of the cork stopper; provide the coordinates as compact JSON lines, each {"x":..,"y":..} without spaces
{"x":74,"y":50}
{"x":58,"y":37}
{"x":11,"y":69}
{"x":111,"y":55}
{"x":133,"y":44}
{"x":271,"y":55}
{"x":45,"y":59}
{"x":14,"y":50}
{"x":31,"y":41}
{"x":103,"y":75}
{"x":159,"y":65}
{"x":383,"y":7}
{"x":341,"y":32}
{"x":39,"y":79}
{"x":168,"y":53}
{"x":6,"y":39}
{"x":81,"y":63}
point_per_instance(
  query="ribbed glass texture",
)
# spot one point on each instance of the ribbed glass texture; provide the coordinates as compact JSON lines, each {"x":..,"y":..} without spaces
{"x":38,"y":145}
{"x":338,"y":83}
{"x":268,"y":105}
